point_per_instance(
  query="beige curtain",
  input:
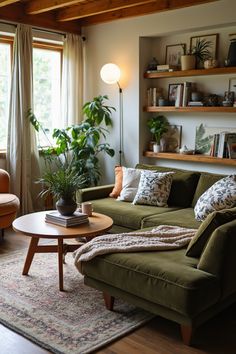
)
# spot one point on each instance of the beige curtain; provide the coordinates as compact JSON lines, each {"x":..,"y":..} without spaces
{"x":22,"y":153}
{"x":72,"y":80}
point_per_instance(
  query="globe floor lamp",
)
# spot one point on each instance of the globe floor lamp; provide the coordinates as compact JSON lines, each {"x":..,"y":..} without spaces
{"x":110,"y":74}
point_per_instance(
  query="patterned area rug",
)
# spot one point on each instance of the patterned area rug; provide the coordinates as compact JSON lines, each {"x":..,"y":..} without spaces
{"x":74,"y":321}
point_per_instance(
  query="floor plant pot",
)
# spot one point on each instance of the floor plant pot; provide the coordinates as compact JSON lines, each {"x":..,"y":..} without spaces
{"x":66,"y":207}
{"x":188,"y":62}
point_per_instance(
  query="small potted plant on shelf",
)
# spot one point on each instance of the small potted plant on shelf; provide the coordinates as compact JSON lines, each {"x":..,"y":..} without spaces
{"x":71,"y":161}
{"x":158,"y":125}
{"x":193,"y":58}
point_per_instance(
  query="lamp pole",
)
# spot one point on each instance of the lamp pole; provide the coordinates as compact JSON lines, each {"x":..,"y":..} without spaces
{"x":110,"y":74}
{"x":121,"y":122}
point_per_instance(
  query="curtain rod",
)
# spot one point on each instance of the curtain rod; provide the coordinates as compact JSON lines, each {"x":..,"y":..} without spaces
{"x":41,"y":29}
{"x":34,"y":28}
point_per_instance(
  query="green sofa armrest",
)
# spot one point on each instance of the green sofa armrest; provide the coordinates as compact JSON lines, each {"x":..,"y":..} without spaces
{"x":218,"y":257}
{"x":92,"y":193}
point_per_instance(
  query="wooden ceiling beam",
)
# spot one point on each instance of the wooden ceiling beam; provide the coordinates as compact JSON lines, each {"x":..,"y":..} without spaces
{"x":7,"y":2}
{"x":15,"y":13}
{"x":38,"y":6}
{"x":97,"y":7}
{"x":145,"y":9}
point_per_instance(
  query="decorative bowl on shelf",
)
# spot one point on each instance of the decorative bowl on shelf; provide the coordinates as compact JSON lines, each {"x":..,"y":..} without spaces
{"x":184,"y":150}
{"x":188,"y":152}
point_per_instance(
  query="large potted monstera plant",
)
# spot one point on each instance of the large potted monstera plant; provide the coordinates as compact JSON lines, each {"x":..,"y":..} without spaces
{"x":71,"y":161}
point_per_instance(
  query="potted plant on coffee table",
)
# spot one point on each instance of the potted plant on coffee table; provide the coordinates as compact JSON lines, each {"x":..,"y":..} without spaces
{"x":158,"y":125}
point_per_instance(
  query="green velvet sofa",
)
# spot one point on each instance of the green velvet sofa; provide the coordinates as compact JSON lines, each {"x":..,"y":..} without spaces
{"x":187,"y":290}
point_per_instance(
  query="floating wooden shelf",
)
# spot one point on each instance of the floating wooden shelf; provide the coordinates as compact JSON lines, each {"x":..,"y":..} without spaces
{"x":195,"y":72}
{"x":191,"y":158}
{"x":190,"y":109}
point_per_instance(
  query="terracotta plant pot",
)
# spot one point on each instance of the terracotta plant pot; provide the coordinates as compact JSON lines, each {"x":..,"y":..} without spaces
{"x":188,"y":62}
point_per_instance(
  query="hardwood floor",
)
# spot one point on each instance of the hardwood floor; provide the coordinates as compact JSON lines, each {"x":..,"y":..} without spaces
{"x":159,"y":336}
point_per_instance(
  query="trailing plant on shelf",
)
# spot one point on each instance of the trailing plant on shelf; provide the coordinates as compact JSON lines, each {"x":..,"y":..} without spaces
{"x":71,"y":162}
{"x":158,"y":125}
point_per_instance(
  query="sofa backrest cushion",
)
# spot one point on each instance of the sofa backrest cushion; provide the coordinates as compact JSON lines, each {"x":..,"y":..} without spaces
{"x":209,"y":225}
{"x":218,"y":257}
{"x":206,"y":180}
{"x":183,"y":185}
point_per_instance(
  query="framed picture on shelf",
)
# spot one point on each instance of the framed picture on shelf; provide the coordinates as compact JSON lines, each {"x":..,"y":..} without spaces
{"x":173,"y":54}
{"x":172,"y":138}
{"x":232,"y":85}
{"x":212,"y":38}
{"x":173,"y":93}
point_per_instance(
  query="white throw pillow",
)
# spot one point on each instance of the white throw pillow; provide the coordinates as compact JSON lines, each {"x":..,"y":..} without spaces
{"x":154,"y":188}
{"x":221,"y":195}
{"x":131,"y":177}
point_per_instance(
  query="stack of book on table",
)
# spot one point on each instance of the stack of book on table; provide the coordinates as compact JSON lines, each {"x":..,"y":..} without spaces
{"x":54,"y":217}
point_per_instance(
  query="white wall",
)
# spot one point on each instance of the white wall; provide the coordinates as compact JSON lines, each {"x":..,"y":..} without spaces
{"x":119,"y":42}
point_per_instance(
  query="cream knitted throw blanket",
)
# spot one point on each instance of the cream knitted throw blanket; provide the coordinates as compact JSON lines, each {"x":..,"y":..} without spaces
{"x":163,"y":237}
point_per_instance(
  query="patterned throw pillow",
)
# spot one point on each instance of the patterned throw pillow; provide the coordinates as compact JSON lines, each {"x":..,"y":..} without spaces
{"x":154,"y":188}
{"x":131,"y":177}
{"x":221,"y":195}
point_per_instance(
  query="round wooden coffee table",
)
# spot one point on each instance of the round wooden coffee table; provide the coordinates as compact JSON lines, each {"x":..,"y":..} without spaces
{"x":34,"y":225}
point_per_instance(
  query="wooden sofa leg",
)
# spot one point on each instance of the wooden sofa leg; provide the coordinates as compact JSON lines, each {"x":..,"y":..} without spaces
{"x":186,"y":332}
{"x":109,"y":301}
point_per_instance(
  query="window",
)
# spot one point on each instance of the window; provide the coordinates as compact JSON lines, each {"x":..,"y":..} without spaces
{"x":5,"y":83}
{"x":47,"y":86}
{"x":47,"y":64}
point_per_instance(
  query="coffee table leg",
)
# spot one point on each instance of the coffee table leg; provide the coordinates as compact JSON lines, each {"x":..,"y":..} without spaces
{"x":30,"y":255}
{"x":60,"y":263}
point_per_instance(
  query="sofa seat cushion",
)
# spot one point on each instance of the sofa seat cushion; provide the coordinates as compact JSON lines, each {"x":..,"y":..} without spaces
{"x":167,"y":278}
{"x":126,"y":214}
{"x":183,"y":217}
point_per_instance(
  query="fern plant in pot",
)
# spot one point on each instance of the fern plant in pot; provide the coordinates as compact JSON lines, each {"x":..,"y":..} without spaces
{"x":71,"y":161}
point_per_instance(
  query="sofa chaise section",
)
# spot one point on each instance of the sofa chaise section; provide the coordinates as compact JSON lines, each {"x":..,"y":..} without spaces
{"x":187,"y":290}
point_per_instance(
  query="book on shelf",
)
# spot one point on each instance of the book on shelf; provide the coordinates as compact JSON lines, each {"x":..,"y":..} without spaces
{"x":153,"y":94}
{"x":186,"y":93}
{"x":77,"y":218}
{"x":166,"y":67}
{"x":231,"y":145}
{"x":195,"y":103}
{"x":215,"y":145}
{"x":179,"y":95}
{"x":226,"y":146}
